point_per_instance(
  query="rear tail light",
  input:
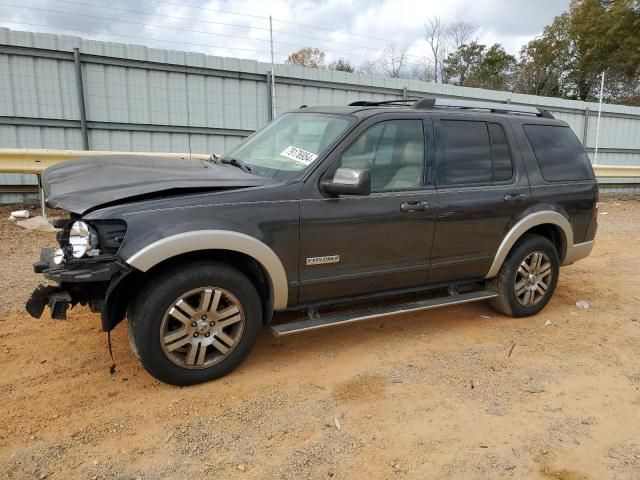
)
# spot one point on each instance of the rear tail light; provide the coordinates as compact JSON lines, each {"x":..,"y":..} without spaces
{"x":596,"y":206}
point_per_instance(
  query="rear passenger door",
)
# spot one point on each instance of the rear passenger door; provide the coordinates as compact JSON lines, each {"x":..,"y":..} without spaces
{"x":481,"y":187}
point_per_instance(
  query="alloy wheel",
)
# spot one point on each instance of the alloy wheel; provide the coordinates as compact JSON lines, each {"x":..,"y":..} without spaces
{"x":202,"y":327}
{"x":533,"y":278}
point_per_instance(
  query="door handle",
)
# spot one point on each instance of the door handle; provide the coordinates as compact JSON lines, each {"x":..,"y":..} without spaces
{"x":515,"y":197}
{"x":412,"y":207}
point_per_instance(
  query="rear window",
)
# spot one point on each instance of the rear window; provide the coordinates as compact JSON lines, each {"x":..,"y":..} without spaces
{"x":559,"y":153}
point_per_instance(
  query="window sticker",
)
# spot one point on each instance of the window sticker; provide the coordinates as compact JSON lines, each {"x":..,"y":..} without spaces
{"x":298,"y":154}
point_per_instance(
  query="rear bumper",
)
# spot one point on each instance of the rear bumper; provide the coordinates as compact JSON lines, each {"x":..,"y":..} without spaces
{"x":84,"y":283}
{"x":578,"y":251}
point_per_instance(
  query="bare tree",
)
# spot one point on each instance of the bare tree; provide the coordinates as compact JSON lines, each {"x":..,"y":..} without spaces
{"x":368,"y":67}
{"x":436,"y":36}
{"x":461,"y":33}
{"x":422,"y":69}
{"x":393,"y":59}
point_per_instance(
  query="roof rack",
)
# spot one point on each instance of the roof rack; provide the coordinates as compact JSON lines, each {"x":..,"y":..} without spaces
{"x":365,"y":103}
{"x":433,"y":103}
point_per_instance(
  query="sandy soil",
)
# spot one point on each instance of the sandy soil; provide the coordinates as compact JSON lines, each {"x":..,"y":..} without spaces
{"x":431,"y":395}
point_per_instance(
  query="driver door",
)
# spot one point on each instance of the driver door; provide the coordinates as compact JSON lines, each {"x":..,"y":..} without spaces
{"x":352,"y":245}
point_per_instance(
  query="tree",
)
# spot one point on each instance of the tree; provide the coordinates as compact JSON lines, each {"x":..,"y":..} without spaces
{"x":436,"y":37}
{"x":393,"y":60}
{"x":542,"y":67}
{"x":441,"y":38}
{"x":592,"y":37}
{"x":422,"y":69}
{"x":369,"y":67}
{"x":461,"y":33}
{"x":494,"y":70}
{"x":474,"y":65}
{"x":307,"y":57}
{"x":459,"y":64}
{"x":341,"y":65}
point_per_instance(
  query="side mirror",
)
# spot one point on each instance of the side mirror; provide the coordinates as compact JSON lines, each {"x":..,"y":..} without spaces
{"x":348,"y":181}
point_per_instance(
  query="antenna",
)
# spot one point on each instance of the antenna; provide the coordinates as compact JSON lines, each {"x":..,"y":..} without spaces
{"x":273,"y":75}
{"x":186,"y":86}
{"x":595,"y":155}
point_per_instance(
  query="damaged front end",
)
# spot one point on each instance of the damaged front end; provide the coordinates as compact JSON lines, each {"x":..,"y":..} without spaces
{"x":83,"y":269}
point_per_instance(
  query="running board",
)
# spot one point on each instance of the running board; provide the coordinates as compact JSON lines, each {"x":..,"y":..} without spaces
{"x":335,"y":319}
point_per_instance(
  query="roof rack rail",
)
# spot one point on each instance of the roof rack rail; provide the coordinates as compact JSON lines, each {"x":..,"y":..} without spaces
{"x":366,"y":103}
{"x":431,"y":103}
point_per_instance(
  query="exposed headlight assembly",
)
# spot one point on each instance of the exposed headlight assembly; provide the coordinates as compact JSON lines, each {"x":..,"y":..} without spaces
{"x":83,"y":240}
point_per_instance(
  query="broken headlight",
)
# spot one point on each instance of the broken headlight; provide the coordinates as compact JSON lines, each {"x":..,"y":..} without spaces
{"x":83,"y":240}
{"x":80,"y":239}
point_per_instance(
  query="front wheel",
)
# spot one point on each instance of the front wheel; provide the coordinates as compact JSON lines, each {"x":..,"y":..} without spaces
{"x":194,"y":322}
{"x":528,"y":277}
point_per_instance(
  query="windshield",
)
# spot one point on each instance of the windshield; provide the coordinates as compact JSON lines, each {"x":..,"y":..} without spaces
{"x":287,"y":146}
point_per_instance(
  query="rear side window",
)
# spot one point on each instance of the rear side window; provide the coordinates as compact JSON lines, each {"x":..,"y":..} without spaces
{"x":466,"y":155}
{"x":559,"y":153}
{"x":473,"y":152}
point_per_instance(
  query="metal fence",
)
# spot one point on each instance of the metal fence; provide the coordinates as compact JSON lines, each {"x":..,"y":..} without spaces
{"x":64,"y":92}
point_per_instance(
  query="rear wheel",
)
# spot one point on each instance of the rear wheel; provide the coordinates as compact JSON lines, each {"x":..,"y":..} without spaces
{"x":195,"y":323}
{"x":528,"y":277}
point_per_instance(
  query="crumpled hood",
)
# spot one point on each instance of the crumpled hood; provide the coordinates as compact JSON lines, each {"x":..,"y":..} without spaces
{"x":83,"y":184}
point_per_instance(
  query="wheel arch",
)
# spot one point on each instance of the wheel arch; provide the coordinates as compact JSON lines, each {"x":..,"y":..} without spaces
{"x":549,"y":224}
{"x":122,"y":290}
{"x":217,"y":240}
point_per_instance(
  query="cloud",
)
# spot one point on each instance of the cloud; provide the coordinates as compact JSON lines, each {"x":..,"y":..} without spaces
{"x":358,"y":30}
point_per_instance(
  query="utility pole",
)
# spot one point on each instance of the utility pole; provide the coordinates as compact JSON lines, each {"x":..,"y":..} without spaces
{"x":595,"y":155}
{"x":273,"y":75}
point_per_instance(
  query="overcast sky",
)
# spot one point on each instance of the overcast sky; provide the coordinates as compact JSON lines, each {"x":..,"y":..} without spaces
{"x":358,"y":30}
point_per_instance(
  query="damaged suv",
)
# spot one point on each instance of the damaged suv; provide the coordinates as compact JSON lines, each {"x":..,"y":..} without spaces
{"x":413,"y":205}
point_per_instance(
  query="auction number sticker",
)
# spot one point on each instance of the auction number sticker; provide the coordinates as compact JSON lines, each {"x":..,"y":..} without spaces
{"x":299,"y":155}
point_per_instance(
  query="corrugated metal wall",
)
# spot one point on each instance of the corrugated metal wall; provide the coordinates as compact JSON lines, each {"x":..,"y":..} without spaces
{"x":144,"y":99}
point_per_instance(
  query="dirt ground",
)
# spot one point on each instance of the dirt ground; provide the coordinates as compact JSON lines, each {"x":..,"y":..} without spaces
{"x":429,"y":395}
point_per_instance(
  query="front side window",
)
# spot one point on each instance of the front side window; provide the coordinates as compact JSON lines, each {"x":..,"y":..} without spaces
{"x":290,"y":144}
{"x":392,"y":151}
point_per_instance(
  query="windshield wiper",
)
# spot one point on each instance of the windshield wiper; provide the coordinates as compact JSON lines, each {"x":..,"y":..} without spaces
{"x":236,"y":162}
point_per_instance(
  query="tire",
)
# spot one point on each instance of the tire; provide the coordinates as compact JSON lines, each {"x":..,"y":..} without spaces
{"x":513,"y":281}
{"x":194,"y":322}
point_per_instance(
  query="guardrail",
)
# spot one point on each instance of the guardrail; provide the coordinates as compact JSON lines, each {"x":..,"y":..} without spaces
{"x":34,"y":161}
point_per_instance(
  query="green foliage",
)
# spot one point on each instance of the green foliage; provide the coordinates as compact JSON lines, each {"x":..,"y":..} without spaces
{"x":342,"y":65}
{"x":594,"y":36}
{"x":473,"y":65}
{"x":461,"y":63}
{"x":494,"y":71}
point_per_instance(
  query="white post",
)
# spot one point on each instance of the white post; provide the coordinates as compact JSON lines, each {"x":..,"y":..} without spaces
{"x":273,"y":75}
{"x":595,"y":155}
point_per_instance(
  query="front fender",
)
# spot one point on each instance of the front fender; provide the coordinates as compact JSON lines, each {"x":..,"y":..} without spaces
{"x":174,"y":245}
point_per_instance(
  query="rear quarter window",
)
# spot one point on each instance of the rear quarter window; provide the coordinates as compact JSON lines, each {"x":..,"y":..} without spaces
{"x":559,"y":153}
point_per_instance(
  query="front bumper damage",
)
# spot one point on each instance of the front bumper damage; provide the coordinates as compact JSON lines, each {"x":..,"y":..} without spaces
{"x":84,"y":282}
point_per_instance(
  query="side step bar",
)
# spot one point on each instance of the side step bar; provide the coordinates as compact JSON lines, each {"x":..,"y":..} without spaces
{"x":306,"y":324}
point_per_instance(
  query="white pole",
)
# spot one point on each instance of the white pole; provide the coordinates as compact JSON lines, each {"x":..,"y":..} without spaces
{"x":595,"y":155}
{"x":273,"y":75}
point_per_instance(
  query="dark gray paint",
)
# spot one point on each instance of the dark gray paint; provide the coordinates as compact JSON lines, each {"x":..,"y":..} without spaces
{"x":84,"y":184}
{"x":381,"y":248}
